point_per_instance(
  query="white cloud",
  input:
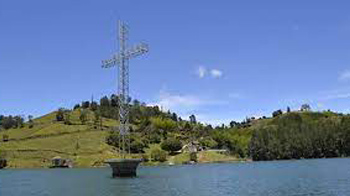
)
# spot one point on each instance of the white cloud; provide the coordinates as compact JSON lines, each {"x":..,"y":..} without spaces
{"x":213,"y":120}
{"x":201,"y":71}
{"x":338,"y":96}
{"x":183,"y":103}
{"x":216,"y":73}
{"x":344,"y":76}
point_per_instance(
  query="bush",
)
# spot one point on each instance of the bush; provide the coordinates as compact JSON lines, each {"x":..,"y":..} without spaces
{"x":145,"y":158}
{"x":171,"y":145}
{"x":137,"y":146}
{"x":60,"y":114}
{"x":210,"y":143}
{"x":136,"y":143}
{"x":155,"y":138}
{"x":158,"y":155}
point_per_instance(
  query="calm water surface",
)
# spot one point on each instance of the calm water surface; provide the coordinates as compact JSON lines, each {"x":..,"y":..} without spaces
{"x":280,"y":178}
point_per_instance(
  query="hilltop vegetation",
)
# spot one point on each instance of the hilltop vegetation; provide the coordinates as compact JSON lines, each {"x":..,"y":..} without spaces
{"x":86,"y":134}
{"x":299,"y":135}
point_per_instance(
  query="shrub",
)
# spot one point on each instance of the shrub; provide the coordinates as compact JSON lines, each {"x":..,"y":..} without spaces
{"x":155,"y":138}
{"x":145,"y":158}
{"x":158,"y":155}
{"x":60,"y":114}
{"x":210,"y":143}
{"x":171,"y":145}
{"x":137,"y":146}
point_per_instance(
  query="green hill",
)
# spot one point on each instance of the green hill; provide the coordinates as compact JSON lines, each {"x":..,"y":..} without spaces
{"x":36,"y":146}
{"x":84,"y":135}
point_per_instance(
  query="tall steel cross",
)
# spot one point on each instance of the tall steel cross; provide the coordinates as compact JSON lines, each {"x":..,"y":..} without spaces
{"x":122,"y":59}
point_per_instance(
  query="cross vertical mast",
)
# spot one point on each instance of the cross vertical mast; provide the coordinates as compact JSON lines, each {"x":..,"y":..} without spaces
{"x":122,"y":59}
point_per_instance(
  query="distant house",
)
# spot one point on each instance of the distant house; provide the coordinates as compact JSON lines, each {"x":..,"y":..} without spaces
{"x":58,"y":162}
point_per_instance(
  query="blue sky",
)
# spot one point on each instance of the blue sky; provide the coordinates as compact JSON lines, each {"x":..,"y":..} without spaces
{"x":221,"y":60}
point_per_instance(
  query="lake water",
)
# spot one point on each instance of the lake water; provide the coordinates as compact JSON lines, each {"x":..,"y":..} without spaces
{"x":278,"y":178}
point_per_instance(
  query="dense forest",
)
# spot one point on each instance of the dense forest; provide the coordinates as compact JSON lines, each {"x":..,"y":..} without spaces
{"x":284,"y":135}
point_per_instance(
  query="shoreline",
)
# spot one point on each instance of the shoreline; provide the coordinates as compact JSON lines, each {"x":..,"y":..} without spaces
{"x":168,"y":164}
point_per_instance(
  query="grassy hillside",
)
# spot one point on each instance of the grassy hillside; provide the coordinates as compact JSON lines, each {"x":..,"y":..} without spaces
{"x":84,"y":144}
{"x":36,"y":146}
{"x":291,"y":135}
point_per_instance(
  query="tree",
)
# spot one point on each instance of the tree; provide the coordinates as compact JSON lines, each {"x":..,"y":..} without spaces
{"x":76,"y":106}
{"x":19,"y":122}
{"x":171,"y":145}
{"x":234,"y":124}
{"x":158,"y":155}
{"x":174,"y":117}
{"x":67,"y":117}
{"x":305,"y":107}
{"x":137,"y":146}
{"x":83,"y":116}
{"x":98,"y":118}
{"x":94,"y":106}
{"x":104,"y":102}
{"x":136,"y":103}
{"x":85,"y":104}
{"x":60,"y":114}
{"x":30,"y":121}
{"x":288,"y":109}
{"x":193,"y":119}
{"x":114,"y":100}
{"x":277,"y":113}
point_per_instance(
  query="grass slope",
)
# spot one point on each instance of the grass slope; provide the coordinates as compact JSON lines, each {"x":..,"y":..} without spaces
{"x":35,"y":147}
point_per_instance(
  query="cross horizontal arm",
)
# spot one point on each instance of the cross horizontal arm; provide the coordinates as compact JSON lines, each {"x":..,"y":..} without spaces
{"x":111,"y":62}
{"x":130,"y":53}
{"x":136,"y":51}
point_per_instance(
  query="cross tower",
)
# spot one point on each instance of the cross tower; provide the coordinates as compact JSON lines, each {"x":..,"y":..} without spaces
{"x":122,"y":59}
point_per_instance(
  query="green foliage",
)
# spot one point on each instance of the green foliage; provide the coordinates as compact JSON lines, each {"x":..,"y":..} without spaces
{"x":158,"y":155}
{"x":171,"y":145}
{"x":277,"y":113}
{"x":137,"y":144}
{"x":60,"y":114}
{"x":208,"y":142}
{"x":83,"y":116}
{"x":85,"y":104}
{"x":76,"y":106}
{"x":8,"y":122}
{"x":164,"y":124}
{"x":235,"y":140}
{"x":301,"y":135}
{"x":30,"y":121}
{"x":193,"y":119}
{"x":67,"y":117}
{"x":305,"y":107}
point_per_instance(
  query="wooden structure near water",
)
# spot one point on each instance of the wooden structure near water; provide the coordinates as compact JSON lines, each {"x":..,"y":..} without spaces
{"x":58,"y":162}
{"x":3,"y":163}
